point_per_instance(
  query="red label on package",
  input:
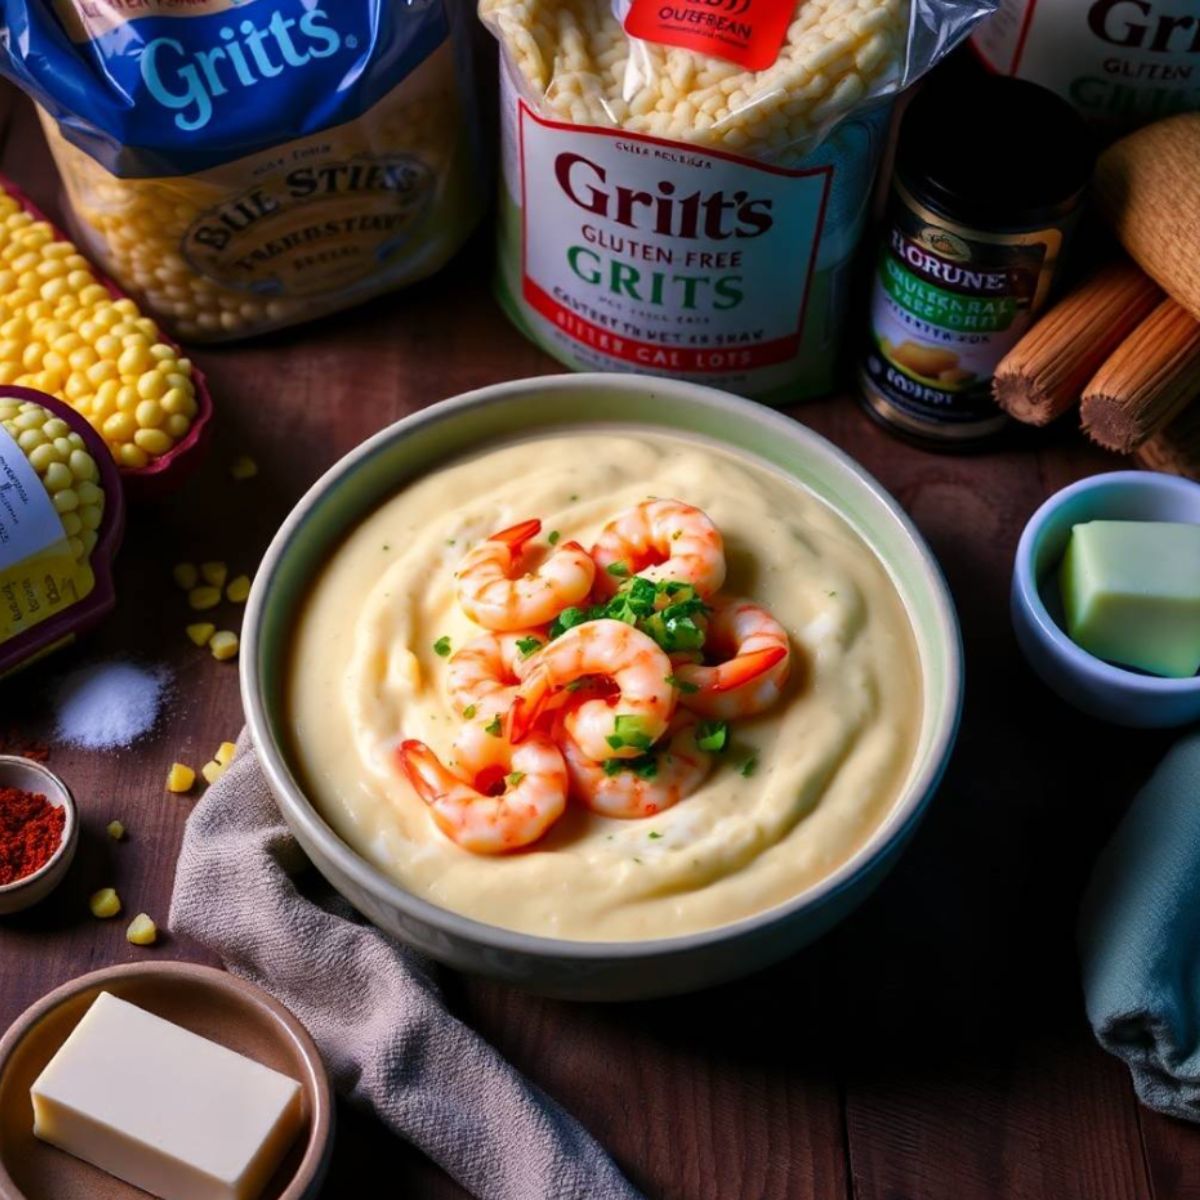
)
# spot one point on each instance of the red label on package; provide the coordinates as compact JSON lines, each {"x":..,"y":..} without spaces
{"x":747,"y":32}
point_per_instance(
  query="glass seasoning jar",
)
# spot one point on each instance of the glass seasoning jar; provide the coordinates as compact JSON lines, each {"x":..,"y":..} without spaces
{"x":987,"y":184}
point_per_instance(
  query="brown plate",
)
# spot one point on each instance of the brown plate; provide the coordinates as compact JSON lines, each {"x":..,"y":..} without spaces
{"x":206,"y":1001}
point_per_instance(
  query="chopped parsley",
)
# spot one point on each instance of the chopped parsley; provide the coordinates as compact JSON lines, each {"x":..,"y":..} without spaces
{"x":619,"y":569}
{"x":654,"y":834}
{"x":666,"y":611}
{"x":442,"y":647}
{"x":567,"y":619}
{"x":682,"y":685}
{"x":645,"y":766}
{"x":749,"y":766}
{"x":711,"y":736}
{"x":514,"y":778}
{"x":450,"y":541}
{"x":527,"y":645}
{"x":553,"y":536}
{"x":387,"y":545}
{"x":629,"y":731}
{"x":469,"y":711}
{"x":493,"y":726}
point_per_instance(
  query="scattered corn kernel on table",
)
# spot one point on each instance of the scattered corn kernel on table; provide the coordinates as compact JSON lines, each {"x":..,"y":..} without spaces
{"x":934,"y":1046}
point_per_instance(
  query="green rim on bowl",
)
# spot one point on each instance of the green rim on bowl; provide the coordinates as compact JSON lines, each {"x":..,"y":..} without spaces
{"x":381,"y":466}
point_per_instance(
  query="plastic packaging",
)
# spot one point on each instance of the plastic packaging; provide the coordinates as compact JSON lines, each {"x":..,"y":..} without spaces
{"x":696,"y":212}
{"x":62,"y":517}
{"x":1121,"y":63}
{"x":241,"y":165}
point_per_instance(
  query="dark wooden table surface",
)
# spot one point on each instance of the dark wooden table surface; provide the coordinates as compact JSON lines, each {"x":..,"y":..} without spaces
{"x":933,"y":1047}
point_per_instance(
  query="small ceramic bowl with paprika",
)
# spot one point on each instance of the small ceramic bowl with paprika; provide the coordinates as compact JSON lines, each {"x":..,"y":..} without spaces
{"x":39,"y":830}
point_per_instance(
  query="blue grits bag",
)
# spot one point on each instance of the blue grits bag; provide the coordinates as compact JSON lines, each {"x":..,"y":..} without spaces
{"x":241,"y":165}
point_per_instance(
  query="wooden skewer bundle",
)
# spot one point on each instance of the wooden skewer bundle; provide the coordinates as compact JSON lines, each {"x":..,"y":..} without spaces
{"x":1129,"y":355}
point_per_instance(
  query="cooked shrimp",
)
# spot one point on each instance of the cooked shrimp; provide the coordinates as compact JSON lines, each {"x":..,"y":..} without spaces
{"x":623,"y":725}
{"x":679,"y":769}
{"x":751,"y":678}
{"x":494,"y":592}
{"x":482,"y":677}
{"x":661,"y":540}
{"x":531,"y":779}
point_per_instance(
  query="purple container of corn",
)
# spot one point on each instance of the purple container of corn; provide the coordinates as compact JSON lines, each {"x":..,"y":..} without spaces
{"x":62,"y":518}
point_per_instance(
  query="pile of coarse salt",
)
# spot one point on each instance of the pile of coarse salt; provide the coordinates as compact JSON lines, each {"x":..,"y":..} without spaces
{"x":109,"y":705}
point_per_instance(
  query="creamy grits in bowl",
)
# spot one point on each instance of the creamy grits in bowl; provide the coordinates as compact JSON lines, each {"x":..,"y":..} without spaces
{"x":603,"y":685}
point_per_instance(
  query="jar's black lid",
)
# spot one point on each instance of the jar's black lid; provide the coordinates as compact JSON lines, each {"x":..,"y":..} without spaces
{"x":996,"y":152}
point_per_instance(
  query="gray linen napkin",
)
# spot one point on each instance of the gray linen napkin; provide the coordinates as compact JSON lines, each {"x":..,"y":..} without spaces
{"x":1139,"y":937}
{"x":372,"y":1006}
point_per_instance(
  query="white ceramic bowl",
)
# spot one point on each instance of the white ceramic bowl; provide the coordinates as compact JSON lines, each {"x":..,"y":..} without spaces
{"x":413,"y":447}
{"x":30,"y":776}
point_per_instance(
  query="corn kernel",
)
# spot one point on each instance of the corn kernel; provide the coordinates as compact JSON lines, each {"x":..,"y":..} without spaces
{"x":238,"y":589}
{"x":200,"y":634}
{"x":225,"y":753}
{"x":142,"y":931}
{"x":185,"y":575}
{"x":214,"y":573}
{"x":224,"y":644}
{"x":116,"y":831}
{"x":212,"y":771}
{"x":180,"y":778}
{"x":203,"y":598}
{"x":105,"y":903}
{"x":243,"y":467}
{"x":60,"y":331}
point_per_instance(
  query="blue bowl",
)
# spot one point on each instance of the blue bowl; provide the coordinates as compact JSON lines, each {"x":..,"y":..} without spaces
{"x":1095,"y":687}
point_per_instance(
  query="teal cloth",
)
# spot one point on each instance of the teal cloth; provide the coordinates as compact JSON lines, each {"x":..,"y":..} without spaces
{"x":1140,"y":937}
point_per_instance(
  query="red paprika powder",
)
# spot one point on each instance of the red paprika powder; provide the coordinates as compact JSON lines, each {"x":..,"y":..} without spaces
{"x":31,"y":829}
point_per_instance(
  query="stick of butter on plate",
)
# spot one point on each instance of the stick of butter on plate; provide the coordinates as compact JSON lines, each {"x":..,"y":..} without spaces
{"x":163,"y":1108}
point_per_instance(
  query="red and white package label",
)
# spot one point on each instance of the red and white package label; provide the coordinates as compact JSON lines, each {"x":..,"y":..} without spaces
{"x":665,"y":257}
{"x":747,"y":32}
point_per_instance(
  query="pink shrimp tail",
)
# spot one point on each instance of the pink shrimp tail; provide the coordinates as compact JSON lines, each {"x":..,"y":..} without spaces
{"x":745,"y":667}
{"x":528,"y":704}
{"x":422,"y":769}
{"x":516,"y":536}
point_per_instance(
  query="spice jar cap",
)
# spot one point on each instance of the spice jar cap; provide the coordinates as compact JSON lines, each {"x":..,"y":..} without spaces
{"x":994,"y":152}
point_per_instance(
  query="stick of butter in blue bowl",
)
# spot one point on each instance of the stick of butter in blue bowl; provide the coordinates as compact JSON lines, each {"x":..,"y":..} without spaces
{"x":1106,"y":597}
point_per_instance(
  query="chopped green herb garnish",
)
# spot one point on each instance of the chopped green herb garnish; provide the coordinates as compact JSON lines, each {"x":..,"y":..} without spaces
{"x":749,"y":766}
{"x":442,"y":647}
{"x":711,"y":736}
{"x":683,"y":685}
{"x":619,"y":569}
{"x":831,"y":593}
{"x":567,"y":619}
{"x":574,"y":496}
{"x":645,"y":766}
{"x":629,"y":730}
{"x":469,"y":711}
{"x":387,"y":545}
{"x":553,"y":536}
{"x":654,"y":834}
{"x":450,"y":541}
{"x":637,"y":860}
{"x":575,"y":685}
{"x":514,"y":777}
{"x":527,"y":645}
{"x":493,"y":726}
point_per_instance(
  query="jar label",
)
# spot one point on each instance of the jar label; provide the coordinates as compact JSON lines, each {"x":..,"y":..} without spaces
{"x":747,"y":32}
{"x":947,"y":304}
{"x":38,"y":573}
{"x":652,"y":255}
